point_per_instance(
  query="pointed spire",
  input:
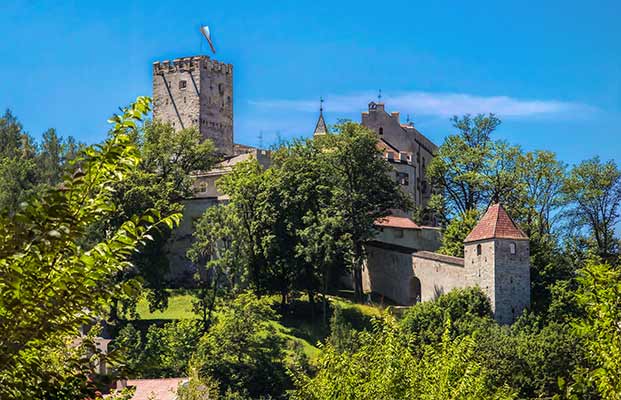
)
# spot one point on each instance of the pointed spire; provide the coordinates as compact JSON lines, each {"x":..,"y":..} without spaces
{"x":496,"y":224}
{"x":321,"y":128}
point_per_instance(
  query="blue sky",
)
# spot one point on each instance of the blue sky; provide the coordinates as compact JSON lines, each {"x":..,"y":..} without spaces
{"x":551,"y":70}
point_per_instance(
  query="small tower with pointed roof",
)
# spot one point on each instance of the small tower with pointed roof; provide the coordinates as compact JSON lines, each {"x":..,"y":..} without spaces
{"x":497,"y":259}
{"x":321,"y":128}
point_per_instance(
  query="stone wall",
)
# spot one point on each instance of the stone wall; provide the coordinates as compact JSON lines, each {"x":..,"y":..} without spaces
{"x":196,"y":92}
{"x":388,"y":273}
{"x":438,"y":276}
{"x":181,"y":268}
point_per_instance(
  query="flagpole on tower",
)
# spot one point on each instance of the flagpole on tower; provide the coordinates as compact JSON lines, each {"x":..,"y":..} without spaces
{"x":205,"y":31}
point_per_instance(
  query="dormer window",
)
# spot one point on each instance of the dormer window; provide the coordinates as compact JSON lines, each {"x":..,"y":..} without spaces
{"x":512,"y":248}
{"x":478,"y":249}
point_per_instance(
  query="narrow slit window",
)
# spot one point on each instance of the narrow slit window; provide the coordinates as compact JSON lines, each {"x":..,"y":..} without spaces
{"x":512,"y":248}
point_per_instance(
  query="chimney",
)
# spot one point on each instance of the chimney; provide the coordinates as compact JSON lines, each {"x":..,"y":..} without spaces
{"x":395,"y":115}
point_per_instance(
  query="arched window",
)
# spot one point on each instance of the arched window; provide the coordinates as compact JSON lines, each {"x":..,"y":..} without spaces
{"x":512,"y":247}
{"x":478,"y":249}
{"x":381,"y":130}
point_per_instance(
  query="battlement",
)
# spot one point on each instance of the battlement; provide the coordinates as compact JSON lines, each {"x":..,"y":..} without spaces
{"x":185,"y":64}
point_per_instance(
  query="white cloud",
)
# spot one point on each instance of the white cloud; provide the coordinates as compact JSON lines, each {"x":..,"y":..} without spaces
{"x":435,"y":104}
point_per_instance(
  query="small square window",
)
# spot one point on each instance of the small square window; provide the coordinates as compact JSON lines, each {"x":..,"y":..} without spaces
{"x":183,"y":84}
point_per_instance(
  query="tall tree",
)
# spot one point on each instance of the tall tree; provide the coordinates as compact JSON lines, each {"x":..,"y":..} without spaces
{"x":458,"y":170}
{"x":18,"y":170}
{"x":54,"y":155}
{"x":362,"y":190}
{"x":161,"y":180}
{"x":593,"y":189}
{"x":217,"y":252}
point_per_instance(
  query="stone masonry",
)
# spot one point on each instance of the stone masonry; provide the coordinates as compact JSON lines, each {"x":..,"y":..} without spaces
{"x":196,"y":92}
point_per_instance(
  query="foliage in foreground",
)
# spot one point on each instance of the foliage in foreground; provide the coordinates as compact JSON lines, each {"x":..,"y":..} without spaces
{"x":600,"y":295}
{"x":49,"y":284}
{"x":384,"y":366}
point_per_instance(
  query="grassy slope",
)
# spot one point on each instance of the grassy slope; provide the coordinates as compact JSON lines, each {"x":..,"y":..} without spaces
{"x":298,"y":324}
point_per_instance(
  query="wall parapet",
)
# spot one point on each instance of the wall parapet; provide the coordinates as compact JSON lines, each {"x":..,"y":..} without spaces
{"x":428,"y":255}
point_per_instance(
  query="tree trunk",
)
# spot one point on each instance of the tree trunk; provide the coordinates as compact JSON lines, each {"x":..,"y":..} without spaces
{"x":357,"y":273}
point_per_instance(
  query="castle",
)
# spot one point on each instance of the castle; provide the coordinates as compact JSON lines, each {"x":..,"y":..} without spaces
{"x":401,"y":262}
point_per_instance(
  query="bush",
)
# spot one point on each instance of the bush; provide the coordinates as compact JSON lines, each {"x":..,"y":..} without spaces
{"x":242,"y":350}
{"x":462,"y":306}
{"x":162,"y":352}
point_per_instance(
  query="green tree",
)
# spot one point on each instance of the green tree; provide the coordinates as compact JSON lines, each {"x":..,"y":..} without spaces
{"x":426,"y":321}
{"x":383,"y":366}
{"x":49,"y":284}
{"x":242,"y":351}
{"x":216,"y":252}
{"x":600,"y":295}
{"x":54,"y":156}
{"x":362,"y":190}
{"x":161,"y":180}
{"x":18,"y":170}
{"x":593,"y":189}
{"x":458,"y":169}
{"x":456,"y":231}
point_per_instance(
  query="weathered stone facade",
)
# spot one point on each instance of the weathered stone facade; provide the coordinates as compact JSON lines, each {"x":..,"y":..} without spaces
{"x":196,"y":92}
{"x":407,"y":149}
{"x":496,"y":259}
{"x":502,"y":271}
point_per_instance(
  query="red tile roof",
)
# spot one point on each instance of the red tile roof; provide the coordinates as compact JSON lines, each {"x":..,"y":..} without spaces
{"x":157,"y":389}
{"x":392,"y":221}
{"x":496,"y":223}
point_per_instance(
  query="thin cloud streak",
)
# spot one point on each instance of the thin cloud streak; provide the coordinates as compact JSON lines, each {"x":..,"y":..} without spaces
{"x":436,"y":104}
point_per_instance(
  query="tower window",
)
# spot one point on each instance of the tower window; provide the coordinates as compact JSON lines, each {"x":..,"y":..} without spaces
{"x":512,"y":248}
{"x":478,"y":249}
{"x":381,"y":130}
{"x":183,"y":84}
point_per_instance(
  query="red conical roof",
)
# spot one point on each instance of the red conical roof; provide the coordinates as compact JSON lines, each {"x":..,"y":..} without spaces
{"x":496,"y":224}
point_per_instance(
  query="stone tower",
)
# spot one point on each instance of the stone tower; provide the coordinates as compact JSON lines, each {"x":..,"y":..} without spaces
{"x":196,"y":92}
{"x":497,"y":259}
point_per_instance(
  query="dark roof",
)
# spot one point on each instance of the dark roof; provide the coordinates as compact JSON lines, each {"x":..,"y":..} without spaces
{"x":321,"y":128}
{"x":496,"y":224}
{"x":387,"y":144}
{"x":439,"y":257}
{"x":392,"y":247}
